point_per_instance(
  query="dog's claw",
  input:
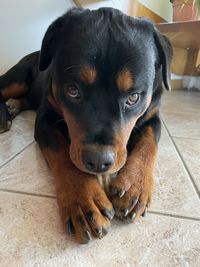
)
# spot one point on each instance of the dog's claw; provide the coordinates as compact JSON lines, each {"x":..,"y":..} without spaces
{"x":144,"y":212}
{"x":132,"y":216}
{"x":70,"y":228}
{"x":125,"y":212}
{"x":87,"y":238}
{"x":121,"y":193}
{"x":108,"y":213}
{"x":99,"y":232}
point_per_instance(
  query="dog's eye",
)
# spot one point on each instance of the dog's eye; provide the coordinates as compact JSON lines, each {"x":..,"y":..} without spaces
{"x":73,"y":91}
{"x":132,"y":99}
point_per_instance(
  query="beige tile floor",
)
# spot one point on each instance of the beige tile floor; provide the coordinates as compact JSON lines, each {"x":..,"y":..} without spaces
{"x":30,"y":228}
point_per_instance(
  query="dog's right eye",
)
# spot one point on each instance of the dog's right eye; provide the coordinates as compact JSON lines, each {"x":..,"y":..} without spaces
{"x":73,"y":91}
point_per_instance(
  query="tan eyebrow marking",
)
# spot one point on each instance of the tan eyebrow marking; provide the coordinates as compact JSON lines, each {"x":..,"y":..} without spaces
{"x":88,"y":74}
{"x":124,"y":80}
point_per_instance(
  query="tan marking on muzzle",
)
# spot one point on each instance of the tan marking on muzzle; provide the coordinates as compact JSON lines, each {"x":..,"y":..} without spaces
{"x":121,"y":140}
{"x":53,"y":100}
{"x":77,"y":136}
{"x":76,"y":133}
{"x":151,"y":114}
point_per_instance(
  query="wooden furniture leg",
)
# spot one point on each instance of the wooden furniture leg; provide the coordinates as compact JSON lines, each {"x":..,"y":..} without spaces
{"x":191,"y":61}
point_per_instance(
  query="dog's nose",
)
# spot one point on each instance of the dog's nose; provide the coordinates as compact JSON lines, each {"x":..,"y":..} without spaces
{"x":97,"y":161}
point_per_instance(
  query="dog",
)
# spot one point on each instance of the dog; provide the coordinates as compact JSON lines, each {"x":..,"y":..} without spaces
{"x":96,"y":84}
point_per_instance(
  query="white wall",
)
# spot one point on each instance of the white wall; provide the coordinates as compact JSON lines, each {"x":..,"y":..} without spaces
{"x":23,"y":24}
{"x":123,"y":5}
{"x":161,"y":7}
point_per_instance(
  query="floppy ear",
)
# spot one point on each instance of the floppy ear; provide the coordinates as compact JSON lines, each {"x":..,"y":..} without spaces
{"x":49,"y":43}
{"x":52,"y":35}
{"x":165,"y":53}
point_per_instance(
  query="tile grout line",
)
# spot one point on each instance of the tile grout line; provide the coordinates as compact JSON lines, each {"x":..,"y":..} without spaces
{"x":151,"y":212}
{"x":54,"y":197}
{"x":183,"y":161}
{"x":26,"y":193}
{"x":173,"y":215}
{"x":15,"y":155}
{"x":189,"y":138}
{"x":21,"y":119}
{"x":186,"y":167}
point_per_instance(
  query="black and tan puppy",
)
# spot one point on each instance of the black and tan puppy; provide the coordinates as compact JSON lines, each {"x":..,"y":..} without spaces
{"x":96,"y":85}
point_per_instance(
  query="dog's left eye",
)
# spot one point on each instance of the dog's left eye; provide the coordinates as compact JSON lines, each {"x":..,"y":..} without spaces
{"x":132,"y":99}
{"x":73,"y":91}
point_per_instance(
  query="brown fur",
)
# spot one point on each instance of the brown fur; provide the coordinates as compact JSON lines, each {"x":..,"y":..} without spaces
{"x":88,"y":74}
{"x":77,"y":137}
{"x":54,"y":105}
{"x":151,"y":114}
{"x":121,"y":140}
{"x":53,"y":100}
{"x":77,"y":200}
{"x":136,"y":177}
{"x":124,"y":80}
{"x":14,"y":90}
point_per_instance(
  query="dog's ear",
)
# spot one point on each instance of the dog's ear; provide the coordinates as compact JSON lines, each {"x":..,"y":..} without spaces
{"x":49,"y":43}
{"x":165,"y":53}
{"x":52,"y":35}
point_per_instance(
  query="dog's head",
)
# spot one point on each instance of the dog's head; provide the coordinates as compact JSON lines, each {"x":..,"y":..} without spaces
{"x":104,"y":66}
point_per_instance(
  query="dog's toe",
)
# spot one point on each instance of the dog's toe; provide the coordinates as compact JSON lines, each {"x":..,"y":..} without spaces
{"x":13,"y":106}
{"x":5,"y":120}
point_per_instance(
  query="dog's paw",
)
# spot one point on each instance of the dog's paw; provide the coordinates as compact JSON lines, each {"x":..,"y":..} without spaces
{"x":131,"y":196}
{"x":5,"y":120}
{"x":14,"y":107}
{"x":85,"y":211}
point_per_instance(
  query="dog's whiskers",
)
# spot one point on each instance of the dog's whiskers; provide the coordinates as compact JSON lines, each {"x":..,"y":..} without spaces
{"x":58,"y":121}
{"x":68,"y":68}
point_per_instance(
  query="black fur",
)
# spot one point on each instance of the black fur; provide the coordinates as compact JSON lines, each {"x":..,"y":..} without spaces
{"x":113,"y":41}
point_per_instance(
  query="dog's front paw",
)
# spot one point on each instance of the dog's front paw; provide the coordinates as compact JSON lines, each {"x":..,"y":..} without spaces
{"x":85,"y":210}
{"x":131,"y":194}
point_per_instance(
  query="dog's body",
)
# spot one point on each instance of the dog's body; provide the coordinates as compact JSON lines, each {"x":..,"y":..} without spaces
{"x":97,"y":94}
